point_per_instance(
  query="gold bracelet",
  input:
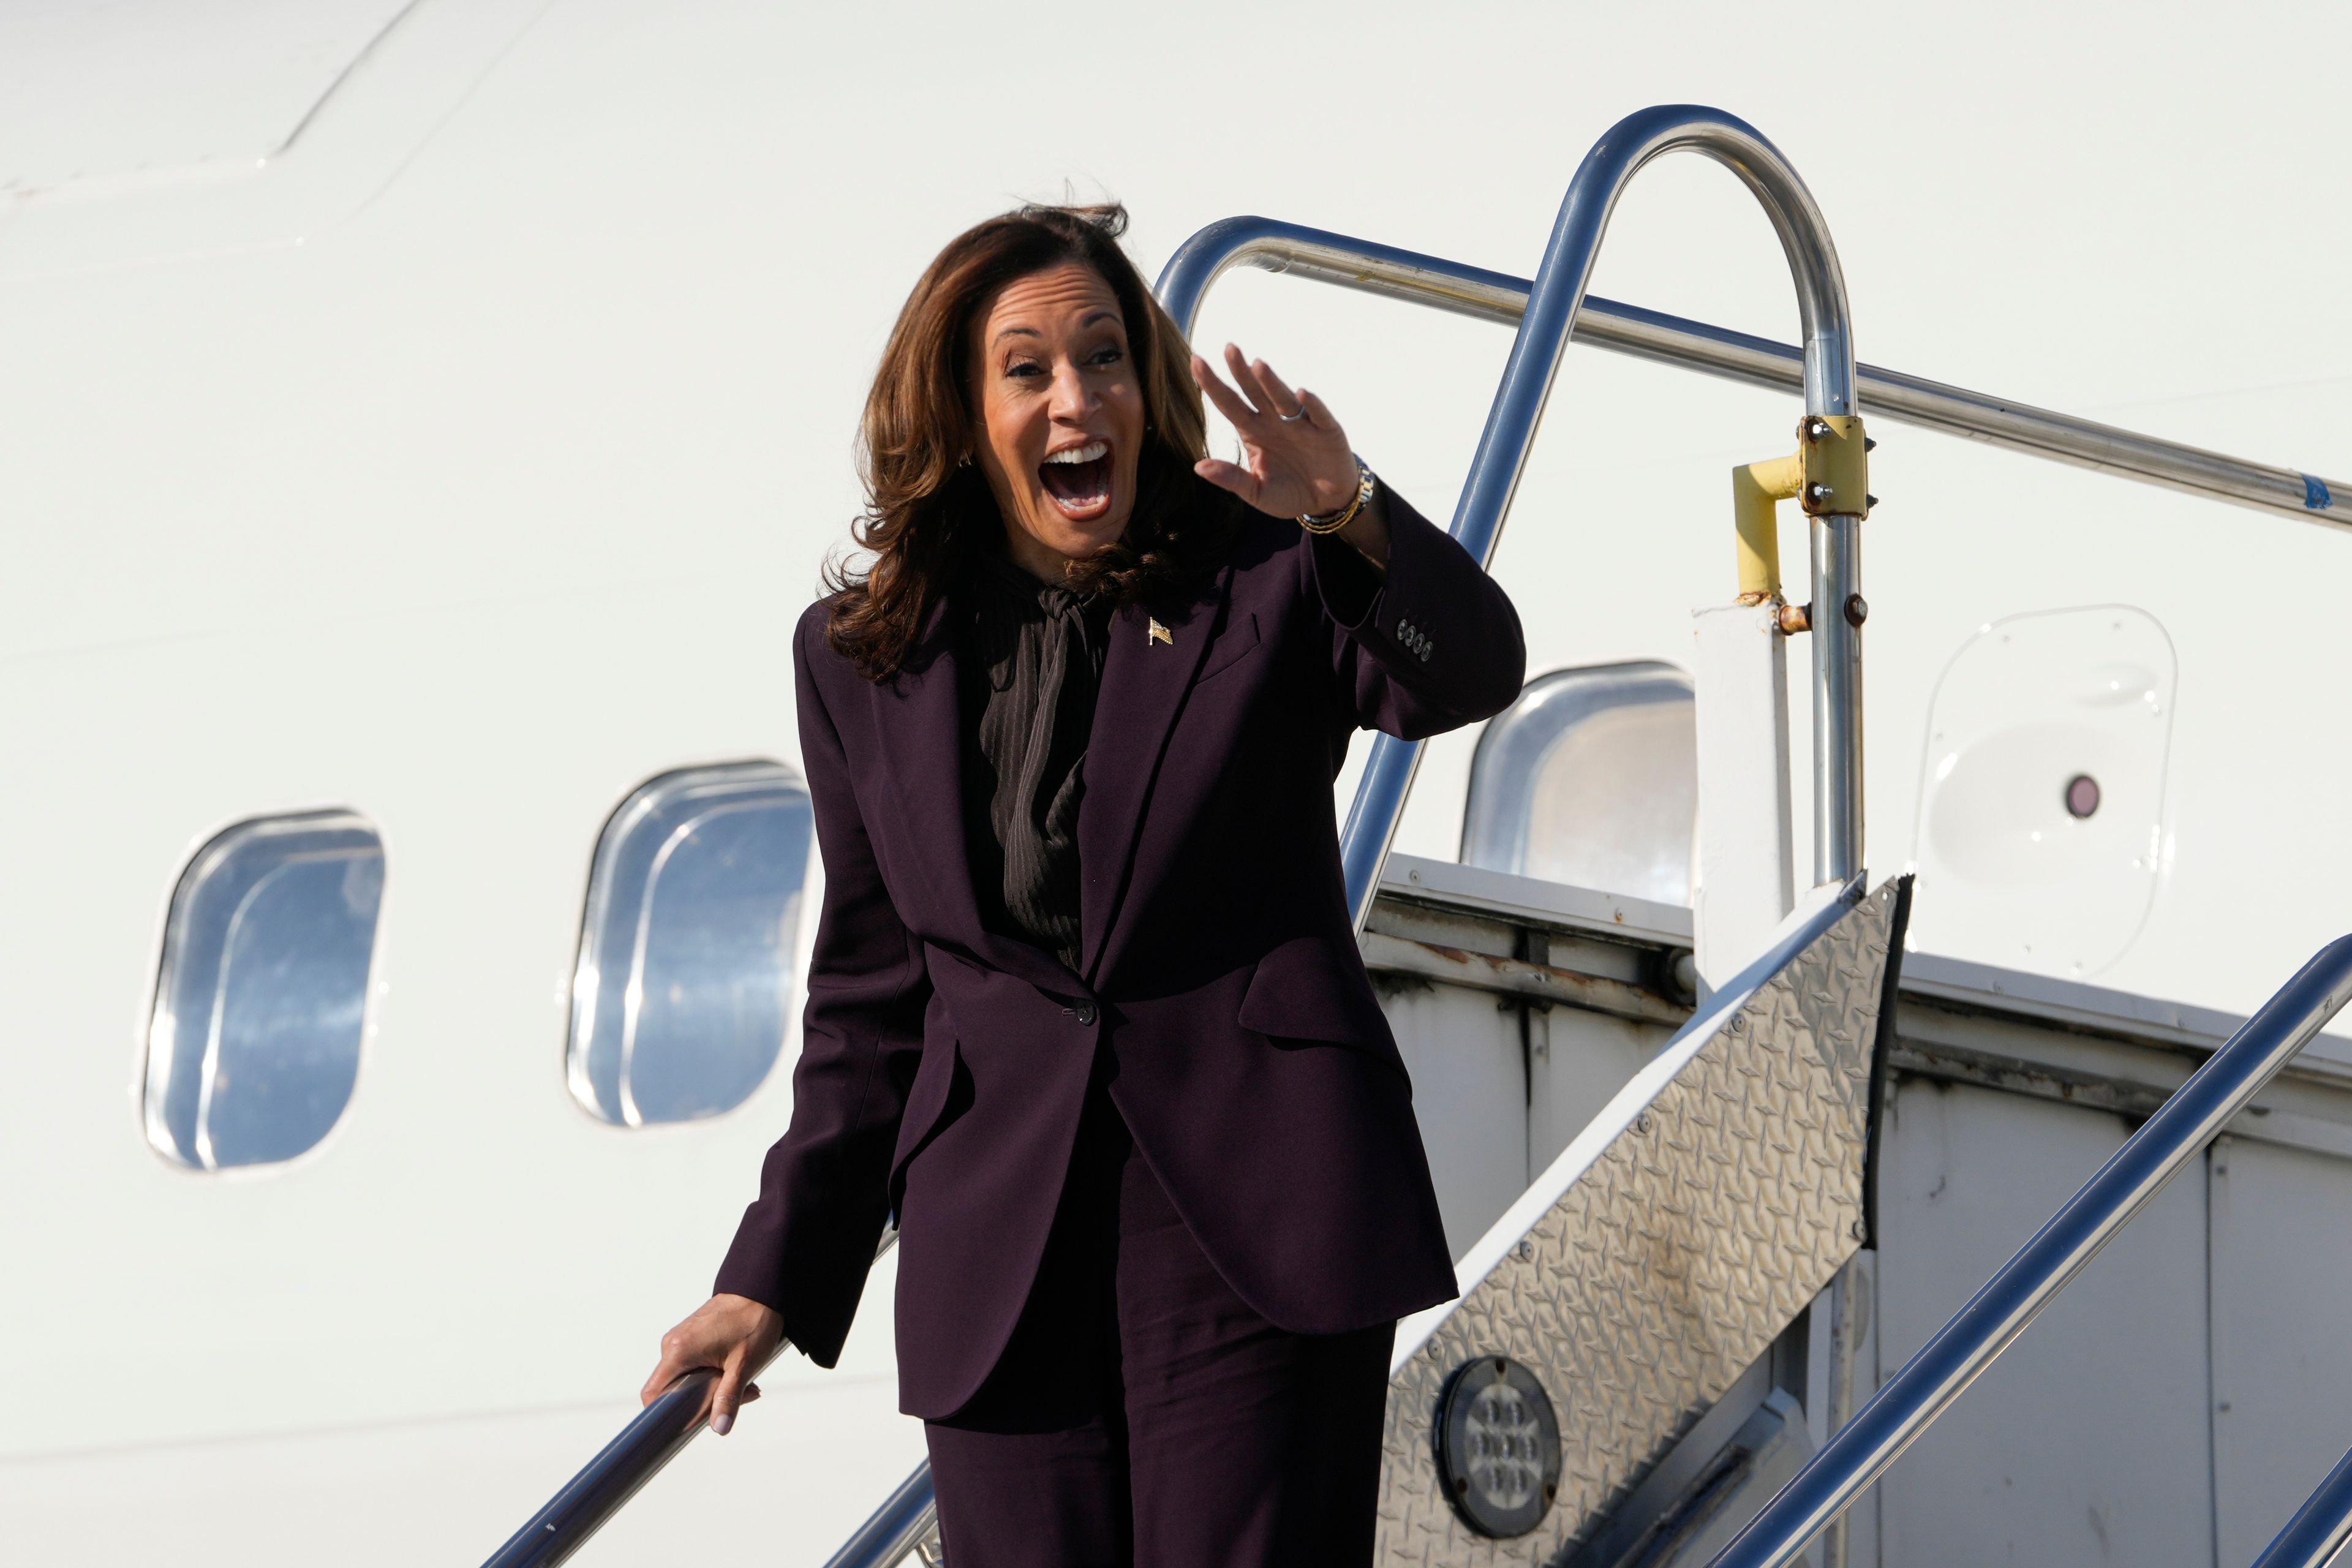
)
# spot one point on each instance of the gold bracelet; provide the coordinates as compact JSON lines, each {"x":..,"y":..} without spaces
{"x":1333,"y":521}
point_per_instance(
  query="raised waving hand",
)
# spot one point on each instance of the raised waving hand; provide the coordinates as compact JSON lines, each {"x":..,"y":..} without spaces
{"x":1296,"y":457}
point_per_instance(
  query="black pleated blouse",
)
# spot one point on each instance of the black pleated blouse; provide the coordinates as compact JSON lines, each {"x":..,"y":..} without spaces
{"x":1029,"y":657}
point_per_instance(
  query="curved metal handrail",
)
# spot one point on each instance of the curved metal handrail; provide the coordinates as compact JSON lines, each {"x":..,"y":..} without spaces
{"x":2320,"y":1528}
{"x":1553,"y":306}
{"x":1268,"y":244}
{"x":1860,"y":1452}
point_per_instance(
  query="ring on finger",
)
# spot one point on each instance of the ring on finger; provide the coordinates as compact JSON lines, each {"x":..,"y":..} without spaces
{"x":1293,"y":418}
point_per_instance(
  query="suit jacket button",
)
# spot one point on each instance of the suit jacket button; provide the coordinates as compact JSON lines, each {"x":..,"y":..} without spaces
{"x":1086,"y":1012}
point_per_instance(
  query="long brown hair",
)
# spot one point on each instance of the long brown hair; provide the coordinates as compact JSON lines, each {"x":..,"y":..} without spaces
{"x":926,"y":507}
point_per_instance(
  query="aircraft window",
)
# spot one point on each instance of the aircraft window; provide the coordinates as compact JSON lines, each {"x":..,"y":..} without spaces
{"x":1590,"y":778}
{"x":261,"y":1001}
{"x":682,"y":996}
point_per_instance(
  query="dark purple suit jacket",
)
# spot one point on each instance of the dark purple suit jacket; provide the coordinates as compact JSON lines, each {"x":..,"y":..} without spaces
{"x":942,"y":1067}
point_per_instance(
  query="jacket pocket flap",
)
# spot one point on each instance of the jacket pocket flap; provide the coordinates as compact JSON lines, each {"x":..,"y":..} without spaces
{"x":1302,"y":990}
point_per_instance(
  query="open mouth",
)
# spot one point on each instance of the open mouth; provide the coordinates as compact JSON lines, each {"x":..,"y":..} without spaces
{"x":1077,"y":478}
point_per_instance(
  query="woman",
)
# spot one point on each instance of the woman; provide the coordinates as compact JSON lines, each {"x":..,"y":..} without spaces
{"x":1086,"y":1010}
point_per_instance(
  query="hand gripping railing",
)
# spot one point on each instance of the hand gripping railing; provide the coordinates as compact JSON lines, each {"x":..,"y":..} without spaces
{"x":652,"y":1438}
{"x":1553,"y":304}
{"x":654,"y":1435}
{"x":1860,"y":1452}
{"x":2319,"y":1528}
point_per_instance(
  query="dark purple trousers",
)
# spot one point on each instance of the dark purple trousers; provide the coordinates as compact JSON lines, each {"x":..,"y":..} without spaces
{"x":1143,"y":1415}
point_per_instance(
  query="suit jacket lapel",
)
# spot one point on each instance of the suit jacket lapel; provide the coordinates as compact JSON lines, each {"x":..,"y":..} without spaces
{"x":1144,"y":681}
{"x":917,"y":719}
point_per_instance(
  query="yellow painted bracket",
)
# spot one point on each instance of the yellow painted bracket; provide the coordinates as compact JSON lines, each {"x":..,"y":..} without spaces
{"x":1829,"y":474}
{"x":1837,"y":466}
{"x":1757,"y":489}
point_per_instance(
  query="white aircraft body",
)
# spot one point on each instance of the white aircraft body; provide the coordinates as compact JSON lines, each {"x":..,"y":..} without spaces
{"x":422,"y":422}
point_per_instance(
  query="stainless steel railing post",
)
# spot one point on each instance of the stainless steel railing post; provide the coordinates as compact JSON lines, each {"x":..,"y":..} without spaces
{"x":1553,"y":304}
{"x":896,"y":1528}
{"x":1858,"y":1453}
{"x":2319,"y":1528}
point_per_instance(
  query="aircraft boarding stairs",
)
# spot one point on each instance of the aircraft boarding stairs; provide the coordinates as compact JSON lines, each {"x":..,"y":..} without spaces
{"x":1603,"y":1394}
{"x":1617,"y":1311}
{"x":1617,"y":1316}
{"x":1612,"y":1389}
{"x":1600,"y":1394}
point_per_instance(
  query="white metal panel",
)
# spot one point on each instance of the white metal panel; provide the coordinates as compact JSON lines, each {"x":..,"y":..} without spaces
{"x":1469,"y":1094}
{"x":97,"y":91}
{"x":158,"y":132}
{"x":1534,"y":901}
{"x":2282,"y":1251}
{"x":2101,"y":1010}
{"x":1577,"y":1063}
{"x":2087,"y":1442}
{"x":1747,"y":856}
{"x":463,"y":1172}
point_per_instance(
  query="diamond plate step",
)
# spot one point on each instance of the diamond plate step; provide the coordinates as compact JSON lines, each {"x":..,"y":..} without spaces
{"x":1669,"y":1245}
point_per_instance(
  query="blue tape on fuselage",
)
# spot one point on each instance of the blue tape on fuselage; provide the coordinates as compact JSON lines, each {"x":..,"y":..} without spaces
{"x":2314,"y":494}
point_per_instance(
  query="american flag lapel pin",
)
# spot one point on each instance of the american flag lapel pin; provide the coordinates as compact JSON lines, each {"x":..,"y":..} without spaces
{"x":1159,"y":634}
